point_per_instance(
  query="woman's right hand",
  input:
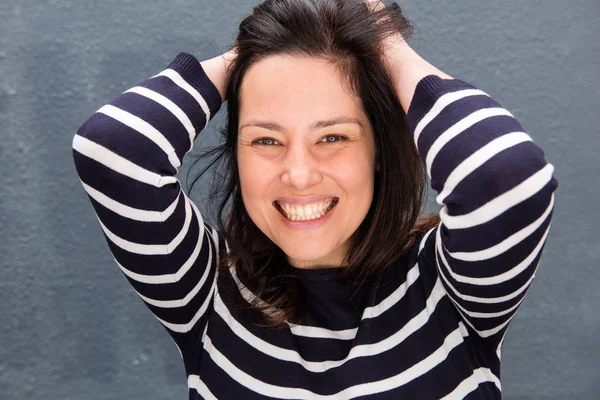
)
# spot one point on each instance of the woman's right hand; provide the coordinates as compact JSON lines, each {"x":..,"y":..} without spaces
{"x":217,"y":71}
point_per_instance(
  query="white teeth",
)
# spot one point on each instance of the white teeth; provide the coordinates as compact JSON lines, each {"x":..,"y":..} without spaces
{"x":305,"y":213}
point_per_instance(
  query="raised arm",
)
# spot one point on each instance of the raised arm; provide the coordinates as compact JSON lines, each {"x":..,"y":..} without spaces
{"x":494,"y":186}
{"x":127,"y":155}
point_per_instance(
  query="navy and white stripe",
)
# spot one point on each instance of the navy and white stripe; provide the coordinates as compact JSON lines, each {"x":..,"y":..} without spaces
{"x":431,"y":327}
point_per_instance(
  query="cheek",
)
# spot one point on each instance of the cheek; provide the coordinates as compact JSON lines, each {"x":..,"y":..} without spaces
{"x":357,"y":177}
{"x":355,"y":170}
{"x":254,"y":181}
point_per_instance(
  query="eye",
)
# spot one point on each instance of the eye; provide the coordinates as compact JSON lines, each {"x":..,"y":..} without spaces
{"x":266,"y":142}
{"x":333,"y":138}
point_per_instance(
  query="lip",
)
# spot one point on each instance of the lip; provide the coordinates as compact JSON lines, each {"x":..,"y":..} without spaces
{"x":304,"y":200}
{"x":306,"y":224}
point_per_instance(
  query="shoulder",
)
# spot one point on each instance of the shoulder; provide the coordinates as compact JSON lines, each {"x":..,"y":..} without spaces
{"x":424,"y":246}
{"x":423,"y":254}
{"x":419,"y":257}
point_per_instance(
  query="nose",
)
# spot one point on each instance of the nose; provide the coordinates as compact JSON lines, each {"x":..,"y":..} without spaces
{"x":301,"y":168}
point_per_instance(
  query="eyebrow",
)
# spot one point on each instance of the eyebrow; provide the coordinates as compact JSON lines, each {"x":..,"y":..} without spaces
{"x":317,"y":125}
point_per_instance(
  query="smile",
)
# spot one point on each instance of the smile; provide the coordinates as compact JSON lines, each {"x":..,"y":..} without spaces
{"x":306,"y":212}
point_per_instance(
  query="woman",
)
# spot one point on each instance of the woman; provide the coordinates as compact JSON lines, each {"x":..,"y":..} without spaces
{"x":322,"y":281}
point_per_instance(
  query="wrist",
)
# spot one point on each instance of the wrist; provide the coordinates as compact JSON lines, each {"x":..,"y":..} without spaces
{"x":217,"y":71}
{"x":407,"y":69}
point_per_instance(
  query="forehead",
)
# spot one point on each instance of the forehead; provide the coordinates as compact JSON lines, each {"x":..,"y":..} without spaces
{"x":297,"y":89}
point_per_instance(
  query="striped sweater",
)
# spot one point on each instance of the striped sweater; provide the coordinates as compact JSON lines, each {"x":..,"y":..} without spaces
{"x":431,"y":327}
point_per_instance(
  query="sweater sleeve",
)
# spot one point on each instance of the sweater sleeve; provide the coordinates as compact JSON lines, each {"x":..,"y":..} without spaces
{"x":127,"y":155}
{"x":497,"y":196}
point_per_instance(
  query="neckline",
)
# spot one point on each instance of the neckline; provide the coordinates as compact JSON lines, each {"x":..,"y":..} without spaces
{"x":318,"y":274}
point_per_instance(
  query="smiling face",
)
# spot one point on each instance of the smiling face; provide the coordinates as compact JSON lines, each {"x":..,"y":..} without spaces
{"x":306,"y":158}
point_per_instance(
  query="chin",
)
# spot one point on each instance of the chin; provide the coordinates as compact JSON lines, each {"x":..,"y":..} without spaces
{"x":314,"y":257}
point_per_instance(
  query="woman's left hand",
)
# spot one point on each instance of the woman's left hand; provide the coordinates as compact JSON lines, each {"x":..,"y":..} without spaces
{"x":392,"y":43}
{"x":406,"y":67}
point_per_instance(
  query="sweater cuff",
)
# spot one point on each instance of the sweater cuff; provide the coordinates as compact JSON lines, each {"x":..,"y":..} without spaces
{"x":427,"y":92}
{"x":191,"y":70}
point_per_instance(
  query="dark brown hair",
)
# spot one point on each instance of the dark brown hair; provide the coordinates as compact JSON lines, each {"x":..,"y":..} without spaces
{"x":349,"y":35}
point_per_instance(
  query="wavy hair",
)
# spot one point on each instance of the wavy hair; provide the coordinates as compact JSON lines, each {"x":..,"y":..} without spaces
{"x":348,"y":34}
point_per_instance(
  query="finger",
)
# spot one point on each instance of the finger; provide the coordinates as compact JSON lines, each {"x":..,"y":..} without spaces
{"x":374,"y":5}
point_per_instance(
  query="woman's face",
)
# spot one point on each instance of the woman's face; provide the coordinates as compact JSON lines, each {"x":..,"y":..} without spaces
{"x":306,"y":157}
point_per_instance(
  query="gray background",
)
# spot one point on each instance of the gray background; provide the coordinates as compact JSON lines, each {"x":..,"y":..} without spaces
{"x":72,"y":328}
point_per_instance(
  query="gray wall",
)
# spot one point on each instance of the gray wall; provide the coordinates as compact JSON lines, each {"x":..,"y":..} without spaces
{"x":72,"y":328}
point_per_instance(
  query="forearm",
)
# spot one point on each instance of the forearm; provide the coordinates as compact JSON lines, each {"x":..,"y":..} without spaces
{"x":129,"y":151}
{"x":407,"y":69}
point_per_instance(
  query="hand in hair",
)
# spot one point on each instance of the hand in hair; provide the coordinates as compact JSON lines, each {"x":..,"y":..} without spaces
{"x":405,"y":65}
{"x":375,"y":5}
{"x":392,"y":41}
